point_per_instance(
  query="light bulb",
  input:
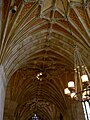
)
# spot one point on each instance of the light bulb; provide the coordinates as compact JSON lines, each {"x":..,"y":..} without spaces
{"x":84,"y":95}
{"x":66,"y":91}
{"x":71,"y":84}
{"x":84,"y":78}
{"x":40,"y":73}
{"x":72,"y":95}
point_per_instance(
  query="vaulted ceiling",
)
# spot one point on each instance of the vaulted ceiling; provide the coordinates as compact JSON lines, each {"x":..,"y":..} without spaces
{"x":40,"y":36}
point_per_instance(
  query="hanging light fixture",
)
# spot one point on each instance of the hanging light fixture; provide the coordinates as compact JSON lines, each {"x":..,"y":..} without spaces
{"x":80,"y":90}
{"x":39,"y":76}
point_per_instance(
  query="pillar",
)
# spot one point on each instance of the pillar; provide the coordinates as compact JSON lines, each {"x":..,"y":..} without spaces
{"x":2,"y":91}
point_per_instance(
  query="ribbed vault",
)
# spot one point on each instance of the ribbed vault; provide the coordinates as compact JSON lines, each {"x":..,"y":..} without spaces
{"x":40,"y":36}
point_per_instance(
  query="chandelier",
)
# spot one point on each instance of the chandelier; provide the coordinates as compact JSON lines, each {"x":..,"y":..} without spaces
{"x":79,"y":89}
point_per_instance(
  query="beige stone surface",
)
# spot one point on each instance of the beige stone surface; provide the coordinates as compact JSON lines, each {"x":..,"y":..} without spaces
{"x":40,"y":36}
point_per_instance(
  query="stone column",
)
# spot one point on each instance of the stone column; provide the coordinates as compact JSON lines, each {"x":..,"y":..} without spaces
{"x":80,"y":111}
{"x":2,"y":91}
{"x":77,"y":111}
